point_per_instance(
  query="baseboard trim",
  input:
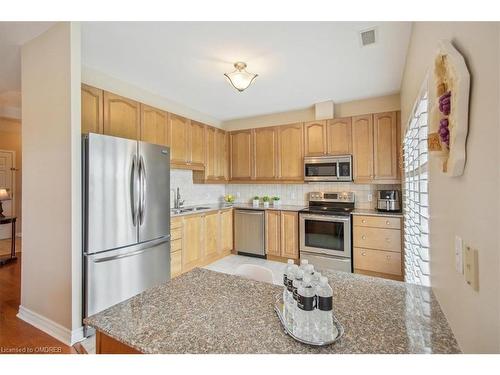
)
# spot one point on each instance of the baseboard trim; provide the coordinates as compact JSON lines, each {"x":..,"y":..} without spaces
{"x":50,"y":327}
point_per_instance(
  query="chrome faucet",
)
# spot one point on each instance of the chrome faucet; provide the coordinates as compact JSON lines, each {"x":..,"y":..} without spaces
{"x":178,"y":203}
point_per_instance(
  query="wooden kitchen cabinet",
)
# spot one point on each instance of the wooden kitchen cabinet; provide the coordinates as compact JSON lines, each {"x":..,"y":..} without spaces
{"x":338,"y":136}
{"x":122,"y":116}
{"x":178,"y":134}
{"x":216,"y":154}
{"x":197,"y":144}
{"x":154,"y":125}
{"x":289,"y":234}
{"x":192,"y":242}
{"x":315,"y":138}
{"x":176,"y":246}
{"x":282,"y":234}
{"x":290,"y":153}
{"x":386,"y":147}
{"x":362,"y":148}
{"x":273,"y":232}
{"x":226,"y":231}
{"x":241,"y":150}
{"x":265,"y":143}
{"x":221,"y":155}
{"x":377,"y":244}
{"x":92,"y":109}
{"x":211,"y":234}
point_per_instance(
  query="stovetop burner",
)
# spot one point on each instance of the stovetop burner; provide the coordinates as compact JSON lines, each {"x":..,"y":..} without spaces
{"x":327,"y":203}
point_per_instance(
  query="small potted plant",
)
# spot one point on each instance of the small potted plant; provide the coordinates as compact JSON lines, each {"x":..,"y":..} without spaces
{"x":265,"y":201}
{"x":229,"y":199}
{"x":276,"y":201}
{"x":255,"y":201}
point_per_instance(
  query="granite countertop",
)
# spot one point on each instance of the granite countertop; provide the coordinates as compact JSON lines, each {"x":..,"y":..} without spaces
{"x":204,"y":311}
{"x":373,"y":212}
{"x":283,"y":207}
{"x":206,"y":208}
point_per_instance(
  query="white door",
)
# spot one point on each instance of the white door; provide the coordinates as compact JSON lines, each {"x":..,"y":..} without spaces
{"x":6,"y":182}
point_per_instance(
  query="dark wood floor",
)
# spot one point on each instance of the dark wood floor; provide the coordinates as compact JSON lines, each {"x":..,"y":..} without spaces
{"x":16,"y":336}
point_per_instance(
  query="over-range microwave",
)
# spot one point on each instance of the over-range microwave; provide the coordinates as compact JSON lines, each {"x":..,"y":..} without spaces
{"x":328,"y":168}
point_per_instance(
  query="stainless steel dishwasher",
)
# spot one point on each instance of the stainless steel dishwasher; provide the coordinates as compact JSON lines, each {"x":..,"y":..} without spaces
{"x":249,"y":232}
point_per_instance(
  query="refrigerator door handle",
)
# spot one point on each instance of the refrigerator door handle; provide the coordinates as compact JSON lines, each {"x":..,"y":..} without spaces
{"x":142,"y":180}
{"x":133,"y":191}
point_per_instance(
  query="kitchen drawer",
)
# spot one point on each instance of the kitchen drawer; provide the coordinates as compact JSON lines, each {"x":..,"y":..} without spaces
{"x":377,"y":261}
{"x":376,"y":238}
{"x":377,"y":222}
{"x":176,"y":223}
{"x":175,"y":234}
{"x":175,"y":264}
{"x":175,"y":245}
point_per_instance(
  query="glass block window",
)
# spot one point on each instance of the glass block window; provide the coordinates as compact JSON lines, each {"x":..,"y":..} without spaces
{"x":415,"y":193}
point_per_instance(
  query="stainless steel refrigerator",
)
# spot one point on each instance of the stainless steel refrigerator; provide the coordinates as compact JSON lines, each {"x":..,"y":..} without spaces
{"x":126,"y":224}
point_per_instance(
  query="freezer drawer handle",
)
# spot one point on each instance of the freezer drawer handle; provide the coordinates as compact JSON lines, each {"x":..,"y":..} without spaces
{"x":136,"y":252}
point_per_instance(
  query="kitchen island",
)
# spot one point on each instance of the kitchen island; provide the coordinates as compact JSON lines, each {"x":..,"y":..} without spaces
{"x":204,"y":311}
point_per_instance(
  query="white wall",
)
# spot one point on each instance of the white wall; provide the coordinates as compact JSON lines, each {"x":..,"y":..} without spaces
{"x":51,"y":263}
{"x":194,"y":194}
{"x":467,"y":206}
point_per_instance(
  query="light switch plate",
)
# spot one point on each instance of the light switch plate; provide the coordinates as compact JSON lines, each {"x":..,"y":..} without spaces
{"x":471,"y":270}
{"x":459,"y":257}
{"x":370,"y":197}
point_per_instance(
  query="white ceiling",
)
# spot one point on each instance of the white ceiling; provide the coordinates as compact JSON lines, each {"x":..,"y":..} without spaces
{"x":299,"y":63}
{"x":12,"y":36}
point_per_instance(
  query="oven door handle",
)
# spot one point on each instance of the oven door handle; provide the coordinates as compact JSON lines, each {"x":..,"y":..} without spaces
{"x":344,"y":219}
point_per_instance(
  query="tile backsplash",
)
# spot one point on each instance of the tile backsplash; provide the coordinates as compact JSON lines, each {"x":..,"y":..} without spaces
{"x":194,"y":194}
{"x":294,"y":194}
{"x":297,"y":194}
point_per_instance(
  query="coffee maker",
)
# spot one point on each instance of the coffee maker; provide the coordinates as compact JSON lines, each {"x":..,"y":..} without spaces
{"x":389,"y":201}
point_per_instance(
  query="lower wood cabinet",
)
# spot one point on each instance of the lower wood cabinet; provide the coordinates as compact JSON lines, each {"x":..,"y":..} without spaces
{"x":378,"y":246}
{"x":282,"y":234}
{"x":200,"y":239}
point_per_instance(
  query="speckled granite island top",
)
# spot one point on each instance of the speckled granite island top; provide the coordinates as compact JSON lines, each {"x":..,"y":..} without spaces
{"x":204,"y":311}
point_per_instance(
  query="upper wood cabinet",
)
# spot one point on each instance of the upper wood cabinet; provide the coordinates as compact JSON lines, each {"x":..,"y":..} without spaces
{"x":338,"y":136}
{"x":178,"y":134}
{"x":290,"y":154}
{"x":197,"y":143}
{"x":315,"y":138}
{"x":216,"y":154}
{"x":240,"y":143}
{"x":362,"y":148}
{"x":265,"y":143}
{"x":385,"y":146}
{"x":211,"y":162}
{"x":92,"y":109}
{"x":221,"y":155}
{"x":122,"y":116}
{"x":154,"y":124}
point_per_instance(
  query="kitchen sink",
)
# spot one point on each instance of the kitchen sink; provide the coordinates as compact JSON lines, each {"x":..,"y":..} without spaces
{"x":200,"y":208}
{"x":177,"y":211}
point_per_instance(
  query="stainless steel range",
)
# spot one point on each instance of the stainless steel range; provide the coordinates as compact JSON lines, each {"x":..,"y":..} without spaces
{"x":325,"y":230}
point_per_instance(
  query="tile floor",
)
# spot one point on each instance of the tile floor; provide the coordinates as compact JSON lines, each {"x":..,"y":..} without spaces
{"x":230,"y":263}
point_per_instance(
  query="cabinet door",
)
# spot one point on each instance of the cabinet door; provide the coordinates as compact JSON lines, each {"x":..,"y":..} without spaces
{"x":338,"y":136}
{"x":175,"y":264}
{"x":197,"y":143}
{"x":290,"y":152}
{"x":362,"y":148}
{"x":273,"y":230}
{"x":385,"y":149}
{"x":212,"y":154}
{"x":178,"y":131}
{"x":122,"y":116}
{"x":154,"y":124}
{"x":211,"y":234}
{"x":241,"y":155}
{"x":92,"y":109}
{"x":193,"y":240}
{"x":315,"y":138}
{"x":226,"y":231}
{"x":221,"y":145}
{"x":265,"y":145}
{"x":289,"y":234}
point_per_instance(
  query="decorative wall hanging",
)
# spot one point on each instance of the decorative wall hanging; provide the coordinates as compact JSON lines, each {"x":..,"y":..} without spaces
{"x":449,"y":103}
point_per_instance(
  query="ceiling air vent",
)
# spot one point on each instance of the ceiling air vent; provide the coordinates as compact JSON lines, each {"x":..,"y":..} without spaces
{"x":367,"y":37}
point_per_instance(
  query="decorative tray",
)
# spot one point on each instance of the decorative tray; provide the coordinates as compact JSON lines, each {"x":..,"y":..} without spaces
{"x":338,"y":329}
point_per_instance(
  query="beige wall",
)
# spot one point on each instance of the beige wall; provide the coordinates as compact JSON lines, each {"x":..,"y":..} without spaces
{"x":467,"y":206}
{"x":352,"y":108}
{"x":51,"y":264}
{"x":96,"y":78}
{"x":10,"y":139}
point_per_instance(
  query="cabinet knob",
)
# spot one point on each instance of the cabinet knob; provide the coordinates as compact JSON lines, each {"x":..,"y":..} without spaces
{"x":363,"y":237}
{"x":388,"y":257}
{"x":363,"y":221}
{"x":387,"y":222}
{"x":363,"y":253}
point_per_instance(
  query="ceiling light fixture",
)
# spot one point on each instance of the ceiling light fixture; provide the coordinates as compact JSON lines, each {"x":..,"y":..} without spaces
{"x":240,"y":79}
